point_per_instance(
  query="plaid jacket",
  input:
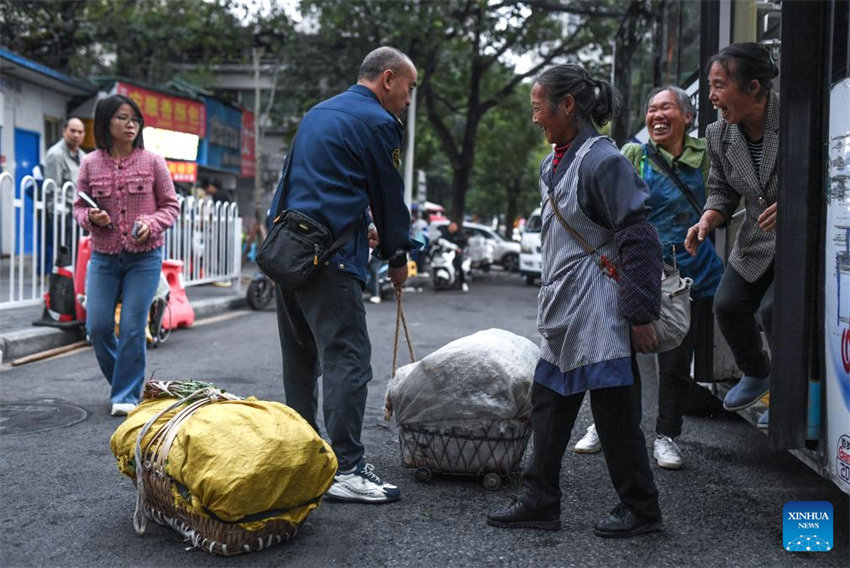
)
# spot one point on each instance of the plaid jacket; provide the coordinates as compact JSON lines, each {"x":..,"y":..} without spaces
{"x":137,"y":187}
{"x":732,"y":176}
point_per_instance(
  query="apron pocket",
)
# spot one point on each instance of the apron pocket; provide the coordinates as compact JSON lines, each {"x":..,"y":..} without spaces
{"x":554,"y":311}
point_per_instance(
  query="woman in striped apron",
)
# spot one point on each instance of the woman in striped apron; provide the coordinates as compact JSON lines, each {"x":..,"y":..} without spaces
{"x":600,"y":294}
{"x":676,"y":205}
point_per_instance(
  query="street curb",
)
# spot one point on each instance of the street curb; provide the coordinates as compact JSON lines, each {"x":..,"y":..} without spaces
{"x":213,"y":306}
{"x":17,"y":344}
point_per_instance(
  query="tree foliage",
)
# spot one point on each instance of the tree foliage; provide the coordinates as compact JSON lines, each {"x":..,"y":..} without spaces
{"x":131,"y":38}
{"x":466,"y":52}
{"x":510,"y":148}
{"x":48,"y":32}
{"x":475,"y":60}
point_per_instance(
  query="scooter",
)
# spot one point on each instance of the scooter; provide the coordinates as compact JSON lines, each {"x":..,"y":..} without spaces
{"x":443,"y":253}
{"x":161,"y":320}
{"x":260,"y":292}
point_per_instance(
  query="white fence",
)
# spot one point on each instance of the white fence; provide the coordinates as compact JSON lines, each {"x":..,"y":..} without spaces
{"x":207,"y":237}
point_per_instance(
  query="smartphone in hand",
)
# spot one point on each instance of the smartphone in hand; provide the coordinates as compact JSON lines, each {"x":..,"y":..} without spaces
{"x":91,"y":203}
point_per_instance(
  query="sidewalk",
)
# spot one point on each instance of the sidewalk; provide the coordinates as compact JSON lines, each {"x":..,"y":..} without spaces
{"x":19,"y":338}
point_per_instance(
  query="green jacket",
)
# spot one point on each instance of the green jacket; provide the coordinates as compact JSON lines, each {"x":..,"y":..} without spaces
{"x":693,"y":155}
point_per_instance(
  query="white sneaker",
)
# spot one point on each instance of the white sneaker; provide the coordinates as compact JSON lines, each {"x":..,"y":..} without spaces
{"x":362,"y":486}
{"x":589,"y":443}
{"x":375,"y":299}
{"x":464,"y":287}
{"x":667,"y":453}
{"x":122,"y":408}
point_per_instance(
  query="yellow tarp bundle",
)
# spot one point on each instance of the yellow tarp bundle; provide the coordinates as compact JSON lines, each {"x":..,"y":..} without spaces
{"x":237,"y":458}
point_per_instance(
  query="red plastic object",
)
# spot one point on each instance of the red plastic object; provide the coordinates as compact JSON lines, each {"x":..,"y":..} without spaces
{"x":180,"y":312}
{"x":83,"y":256}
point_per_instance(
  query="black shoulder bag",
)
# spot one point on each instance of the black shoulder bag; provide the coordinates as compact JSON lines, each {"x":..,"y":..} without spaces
{"x":665,"y":167}
{"x":297,"y":245}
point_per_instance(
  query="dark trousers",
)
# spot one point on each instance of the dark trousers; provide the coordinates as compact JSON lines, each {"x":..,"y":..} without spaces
{"x":616,"y":413}
{"x":323,"y":331}
{"x":737,"y":303}
{"x":458,"y":266}
{"x":674,"y":371}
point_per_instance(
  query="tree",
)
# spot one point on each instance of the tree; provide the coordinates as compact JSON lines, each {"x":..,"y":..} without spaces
{"x":146,"y":35}
{"x":134,"y":38}
{"x":461,"y":48}
{"x":507,"y":185}
{"x":47,"y":32}
{"x":475,"y":45}
{"x":632,"y":31}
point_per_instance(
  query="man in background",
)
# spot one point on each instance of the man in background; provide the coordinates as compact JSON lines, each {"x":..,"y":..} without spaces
{"x":61,"y":164}
{"x":62,"y":161}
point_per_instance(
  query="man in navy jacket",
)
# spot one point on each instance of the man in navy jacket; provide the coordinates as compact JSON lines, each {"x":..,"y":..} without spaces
{"x":344,"y":160}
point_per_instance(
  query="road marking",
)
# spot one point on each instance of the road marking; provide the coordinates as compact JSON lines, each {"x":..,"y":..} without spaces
{"x":223,"y":317}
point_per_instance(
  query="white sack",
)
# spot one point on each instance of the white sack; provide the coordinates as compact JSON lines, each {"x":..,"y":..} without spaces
{"x":484,"y":376}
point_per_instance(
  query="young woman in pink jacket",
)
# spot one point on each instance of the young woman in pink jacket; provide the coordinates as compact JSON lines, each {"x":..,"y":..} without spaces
{"x":136,"y":205}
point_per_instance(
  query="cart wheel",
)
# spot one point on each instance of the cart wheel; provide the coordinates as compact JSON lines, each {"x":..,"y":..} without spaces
{"x":492,"y":481}
{"x":423,"y":474}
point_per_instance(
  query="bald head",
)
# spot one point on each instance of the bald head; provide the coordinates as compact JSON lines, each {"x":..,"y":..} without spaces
{"x":381,"y":59}
{"x":391,"y":76}
{"x":74,"y":133}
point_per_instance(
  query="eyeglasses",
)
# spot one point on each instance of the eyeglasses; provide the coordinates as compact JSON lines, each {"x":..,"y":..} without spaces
{"x":128,"y":119}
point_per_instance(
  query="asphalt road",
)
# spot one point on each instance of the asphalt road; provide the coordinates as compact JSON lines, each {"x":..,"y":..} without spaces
{"x":63,"y":502}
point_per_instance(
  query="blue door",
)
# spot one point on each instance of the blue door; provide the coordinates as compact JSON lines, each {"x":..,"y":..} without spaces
{"x":26,"y":158}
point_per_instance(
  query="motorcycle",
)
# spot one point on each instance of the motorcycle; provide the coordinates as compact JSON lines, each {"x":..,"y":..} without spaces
{"x":260,"y":292}
{"x":443,"y":253}
{"x":261,"y":289}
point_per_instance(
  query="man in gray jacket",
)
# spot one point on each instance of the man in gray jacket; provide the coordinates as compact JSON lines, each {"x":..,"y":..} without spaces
{"x":62,"y":161}
{"x":61,"y":164}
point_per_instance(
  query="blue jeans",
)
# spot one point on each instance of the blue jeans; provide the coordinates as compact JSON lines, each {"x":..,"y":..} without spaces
{"x":131,"y":278}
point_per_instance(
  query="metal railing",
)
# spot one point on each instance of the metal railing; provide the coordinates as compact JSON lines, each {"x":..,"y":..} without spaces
{"x":206,"y":237}
{"x":21,"y":281}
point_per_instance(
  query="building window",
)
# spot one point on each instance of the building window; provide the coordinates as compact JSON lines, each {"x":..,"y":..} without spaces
{"x":52,"y":130}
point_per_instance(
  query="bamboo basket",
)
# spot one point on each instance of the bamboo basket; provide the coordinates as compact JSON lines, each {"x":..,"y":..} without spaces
{"x":166,"y":502}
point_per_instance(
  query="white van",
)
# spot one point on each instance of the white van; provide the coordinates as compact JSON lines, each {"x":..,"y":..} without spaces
{"x":530,"y":259}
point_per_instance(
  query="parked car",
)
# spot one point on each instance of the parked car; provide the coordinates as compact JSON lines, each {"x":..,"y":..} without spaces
{"x":530,"y":260}
{"x":486,"y":246}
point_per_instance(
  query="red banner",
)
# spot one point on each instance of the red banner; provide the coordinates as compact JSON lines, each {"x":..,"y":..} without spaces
{"x":167,"y":112}
{"x":248,"y":155}
{"x":183,"y":171}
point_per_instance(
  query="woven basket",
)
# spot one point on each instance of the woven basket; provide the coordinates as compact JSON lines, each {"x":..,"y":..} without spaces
{"x":157,"y":494}
{"x":472,"y":448}
{"x":204,"y":532}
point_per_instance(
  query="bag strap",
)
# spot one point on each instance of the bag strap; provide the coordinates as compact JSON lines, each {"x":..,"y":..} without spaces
{"x":606,"y":265}
{"x":279,"y":195}
{"x":279,"y":201}
{"x":665,"y":167}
